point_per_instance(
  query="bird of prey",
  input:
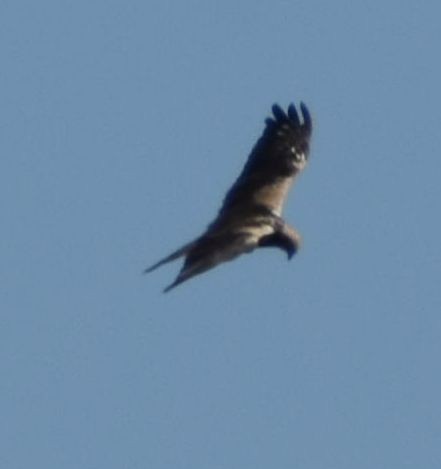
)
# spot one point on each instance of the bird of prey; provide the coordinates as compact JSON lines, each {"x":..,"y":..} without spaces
{"x":251,"y":214}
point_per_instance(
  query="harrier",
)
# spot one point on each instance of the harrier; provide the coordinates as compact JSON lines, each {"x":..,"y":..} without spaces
{"x":251,"y":214}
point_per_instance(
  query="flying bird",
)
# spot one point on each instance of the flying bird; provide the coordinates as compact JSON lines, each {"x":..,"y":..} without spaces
{"x":251,"y":214}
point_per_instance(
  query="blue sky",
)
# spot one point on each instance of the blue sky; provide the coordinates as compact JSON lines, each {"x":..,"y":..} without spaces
{"x":122,"y":125}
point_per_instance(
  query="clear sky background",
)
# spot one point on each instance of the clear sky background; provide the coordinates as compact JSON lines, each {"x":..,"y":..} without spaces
{"x":122,"y":125}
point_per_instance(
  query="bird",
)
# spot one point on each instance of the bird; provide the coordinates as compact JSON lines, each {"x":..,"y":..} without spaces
{"x":250,"y":216}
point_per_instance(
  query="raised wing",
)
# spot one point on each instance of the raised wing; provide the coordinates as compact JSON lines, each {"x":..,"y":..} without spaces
{"x":278,"y":155}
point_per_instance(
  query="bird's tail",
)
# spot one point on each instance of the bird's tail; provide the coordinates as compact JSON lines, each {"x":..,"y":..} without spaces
{"x":174,"y":255}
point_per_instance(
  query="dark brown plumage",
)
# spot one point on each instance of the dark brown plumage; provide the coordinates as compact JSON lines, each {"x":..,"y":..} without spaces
{"x":250,"y":216}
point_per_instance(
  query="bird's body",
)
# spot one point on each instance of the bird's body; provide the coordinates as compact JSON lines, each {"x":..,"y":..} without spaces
{"x":250,"y":216}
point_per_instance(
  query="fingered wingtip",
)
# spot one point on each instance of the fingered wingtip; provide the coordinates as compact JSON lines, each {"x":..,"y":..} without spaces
{"x":293,"y":115}
{"x":307,"y":119}
{"x":279,"y":113}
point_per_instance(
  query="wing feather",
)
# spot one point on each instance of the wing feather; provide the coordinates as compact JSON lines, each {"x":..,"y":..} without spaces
{"x":292,"y":114}
{"x":212,"y":250}
{"x":267,"y":174}
{"x":182,"y":251}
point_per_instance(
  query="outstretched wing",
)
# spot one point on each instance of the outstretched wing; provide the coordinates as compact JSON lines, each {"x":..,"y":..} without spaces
{"x":277,"y":157}
{"x":213,"y":249}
